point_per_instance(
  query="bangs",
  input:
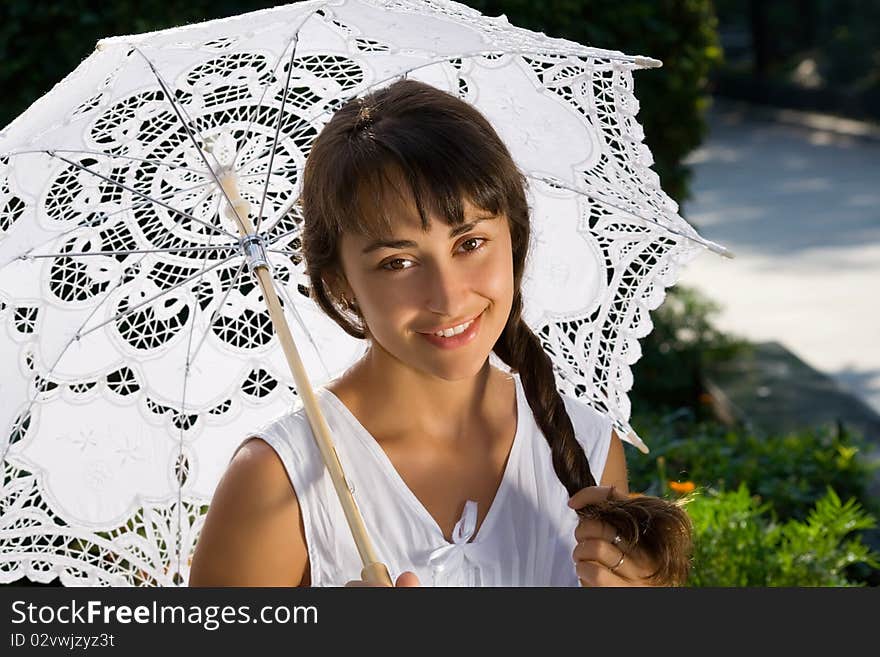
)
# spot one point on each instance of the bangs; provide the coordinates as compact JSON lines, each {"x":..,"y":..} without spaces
{"x":429,"y":166}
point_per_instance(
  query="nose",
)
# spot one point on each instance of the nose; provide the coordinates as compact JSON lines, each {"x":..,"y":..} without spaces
{"x":446,"y":289}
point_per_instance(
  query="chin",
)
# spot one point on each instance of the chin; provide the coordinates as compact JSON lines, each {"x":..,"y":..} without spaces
{"x":458,"y":371}
{"x":448,"y":367}
{"x":452,"y":366}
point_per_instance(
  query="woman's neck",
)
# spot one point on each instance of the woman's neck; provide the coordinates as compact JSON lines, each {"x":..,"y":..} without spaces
{"x":385,"y":392}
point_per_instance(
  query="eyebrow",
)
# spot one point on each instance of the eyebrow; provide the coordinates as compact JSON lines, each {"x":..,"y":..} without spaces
{"x":401,"y":244}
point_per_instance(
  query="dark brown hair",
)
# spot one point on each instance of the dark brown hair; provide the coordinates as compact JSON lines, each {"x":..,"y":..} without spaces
{"x":445,"y":150}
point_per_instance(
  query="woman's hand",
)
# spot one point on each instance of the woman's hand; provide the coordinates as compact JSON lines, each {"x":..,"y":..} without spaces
{"x":601,"y":558}
{"x":407,"y":578}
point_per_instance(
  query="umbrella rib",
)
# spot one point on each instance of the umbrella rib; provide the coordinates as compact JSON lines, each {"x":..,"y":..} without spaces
{"x":277,"y":131}
{"x":141,"y":304}
{"x":178,"y":111}
{"x":124,"y":157}
{"x":284,"y":209}
{"x":51,"y":370}
{"x":186,"y":369}
{"x":165,"y":197}
{"x":304,"y":327}
{"x":266,"y":88}
{"x":188,"y":249}
{"x":133,"y":206}
{"x":93,"y":223}
{"x":286,"y":234}
{"x":214,"y":314}
{"x":201,"y":198}
{"x":712,"y":246}
{"x":141,"y":194}
{"x":185,"y":190}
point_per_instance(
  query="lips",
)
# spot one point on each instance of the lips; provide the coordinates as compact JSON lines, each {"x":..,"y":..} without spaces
{"x":459,"y":340}
{"x":453,"y":325}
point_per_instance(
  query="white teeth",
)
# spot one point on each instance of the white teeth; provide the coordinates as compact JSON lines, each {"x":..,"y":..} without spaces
{"x":455,"y":330}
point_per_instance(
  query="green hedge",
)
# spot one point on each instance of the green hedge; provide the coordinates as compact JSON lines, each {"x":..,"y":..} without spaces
{"x":767,"y":509}
{"x":740,"y":543}
{"x":793,"y":470}
{"x":682,"y":344}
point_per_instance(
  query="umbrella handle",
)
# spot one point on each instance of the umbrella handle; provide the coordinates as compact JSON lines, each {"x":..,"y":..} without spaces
{"x":374,"y":572}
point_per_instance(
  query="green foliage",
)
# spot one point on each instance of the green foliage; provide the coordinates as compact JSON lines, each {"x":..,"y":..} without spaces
{"x":841,"y":36}
{"x":829,"y":49}
{"x":683,"y":342}
{"x":740,"y":543}
{"x":767,"y":510}
{"x":791,"y":470}
{"x":41,"y":42}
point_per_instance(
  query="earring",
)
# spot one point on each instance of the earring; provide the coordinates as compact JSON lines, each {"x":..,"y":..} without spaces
{"x":345,"y":304}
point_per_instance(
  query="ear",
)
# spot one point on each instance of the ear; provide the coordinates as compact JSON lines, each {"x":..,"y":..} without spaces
{"x":337,"y":285}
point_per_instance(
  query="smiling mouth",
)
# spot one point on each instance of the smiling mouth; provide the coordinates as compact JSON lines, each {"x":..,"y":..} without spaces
{"x":456,"y":336}
{"x":455,"y":328}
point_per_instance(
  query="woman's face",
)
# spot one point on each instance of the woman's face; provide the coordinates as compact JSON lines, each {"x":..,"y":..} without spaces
{"x":414,"y":283}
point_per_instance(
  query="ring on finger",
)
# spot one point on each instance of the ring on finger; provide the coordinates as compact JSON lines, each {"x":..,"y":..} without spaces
{"x":617,"y":539}
{"x":619,"y":561}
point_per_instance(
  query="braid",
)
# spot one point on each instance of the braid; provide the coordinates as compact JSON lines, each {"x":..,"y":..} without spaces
{"x":660,"y":527}
{"x":522,"y":351}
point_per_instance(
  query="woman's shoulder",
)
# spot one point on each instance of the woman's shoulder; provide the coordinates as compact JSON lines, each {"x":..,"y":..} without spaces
{"x":246,"y":538}
{"x":293,"y":419}
{"x":291,"y":440}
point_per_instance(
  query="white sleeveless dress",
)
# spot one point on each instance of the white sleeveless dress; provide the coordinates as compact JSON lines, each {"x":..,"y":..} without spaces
{"x":526,"y":538}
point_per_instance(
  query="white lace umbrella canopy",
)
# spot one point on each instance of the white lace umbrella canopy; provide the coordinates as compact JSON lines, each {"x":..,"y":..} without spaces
{"x":136,"y":350}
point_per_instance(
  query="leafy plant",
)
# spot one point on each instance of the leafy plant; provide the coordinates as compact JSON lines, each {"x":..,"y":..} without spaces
{"x":739,"y":542}
{"x":682,"y":344}
{"x":793,"y":470}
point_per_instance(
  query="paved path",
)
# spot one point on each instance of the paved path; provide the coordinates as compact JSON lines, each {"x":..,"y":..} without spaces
{"x":800,"y":208}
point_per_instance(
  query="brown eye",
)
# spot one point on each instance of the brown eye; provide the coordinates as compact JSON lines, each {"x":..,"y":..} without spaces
{"x":481,"y":241}
{"x":387,"y":266}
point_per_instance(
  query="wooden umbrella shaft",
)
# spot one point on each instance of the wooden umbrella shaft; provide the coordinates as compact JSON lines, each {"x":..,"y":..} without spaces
{"x":373,"y":571}
{"x":372,"y":567}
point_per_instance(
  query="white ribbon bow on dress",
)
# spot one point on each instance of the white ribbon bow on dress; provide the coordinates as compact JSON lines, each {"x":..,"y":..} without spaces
{"x":451,"y":558}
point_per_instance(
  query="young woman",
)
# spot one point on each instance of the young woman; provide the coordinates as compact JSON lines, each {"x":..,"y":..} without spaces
{"x":415,"y":236}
